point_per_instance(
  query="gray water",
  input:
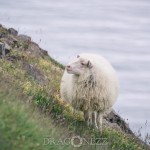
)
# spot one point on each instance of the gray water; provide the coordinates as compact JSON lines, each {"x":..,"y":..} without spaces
{"x":118,"y":30}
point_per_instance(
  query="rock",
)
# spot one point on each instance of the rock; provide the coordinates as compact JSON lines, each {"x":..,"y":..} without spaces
{"x":45,"y":52}
{"x":35,"y":49}
{"x":24,"y":38}
{"x":12,"y":41}
{"x":34,"y":72}
{"x":113,"y":117}
{"x":2,"y":48}
{"x":107,"y":124}
{"x":7,"y":48}
{"x":13,"y":31}
{"x":2,"y":34}
{"x":0,"y":25}
{"x":12,"y":58}
{"x":114,"y":121}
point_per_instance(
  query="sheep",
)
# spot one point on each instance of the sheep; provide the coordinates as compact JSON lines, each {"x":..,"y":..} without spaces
{"x":90,"y":84}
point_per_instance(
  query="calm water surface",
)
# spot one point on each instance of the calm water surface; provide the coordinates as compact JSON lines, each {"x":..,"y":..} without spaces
{"x":118,"y":30}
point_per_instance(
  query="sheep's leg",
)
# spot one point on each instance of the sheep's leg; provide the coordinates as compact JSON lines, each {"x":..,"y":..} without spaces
{"x":99,"y":120}
{"x":74,"y":111}
{"x":88,"y":117}
{"x":94,"y":118}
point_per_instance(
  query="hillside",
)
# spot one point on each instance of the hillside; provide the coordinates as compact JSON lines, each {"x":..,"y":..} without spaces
{"x":31,"y":110}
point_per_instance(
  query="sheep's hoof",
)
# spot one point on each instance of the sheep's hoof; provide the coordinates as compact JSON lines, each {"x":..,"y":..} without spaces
{"x":96,"y":127}
{"x":88,"y":122}
{"x":100,"y":129}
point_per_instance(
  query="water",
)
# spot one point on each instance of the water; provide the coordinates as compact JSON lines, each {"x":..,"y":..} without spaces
{"x":118,"y":30}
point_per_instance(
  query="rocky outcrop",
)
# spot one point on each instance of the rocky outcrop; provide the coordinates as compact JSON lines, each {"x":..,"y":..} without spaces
{"x":116,"y":119}
{"x":4,"y":49}
{"x":24,"y":38}
{"x":13,"y":31}
{"x":20,"y":42}
{"x":34,"y":72}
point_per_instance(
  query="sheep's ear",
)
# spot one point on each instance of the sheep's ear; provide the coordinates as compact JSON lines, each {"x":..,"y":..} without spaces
{"x":89,"y":64}
{"x":78,"y":56}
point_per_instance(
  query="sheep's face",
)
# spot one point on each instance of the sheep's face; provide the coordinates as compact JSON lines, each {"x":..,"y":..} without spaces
{"x":79,"y":66}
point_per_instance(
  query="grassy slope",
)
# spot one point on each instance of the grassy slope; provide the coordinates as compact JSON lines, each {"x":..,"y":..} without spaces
{"x":21,"y":126}
{"x":31,"y":108}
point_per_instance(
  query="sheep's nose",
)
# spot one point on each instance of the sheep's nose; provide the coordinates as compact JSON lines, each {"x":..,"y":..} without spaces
{"x":68,"y":67}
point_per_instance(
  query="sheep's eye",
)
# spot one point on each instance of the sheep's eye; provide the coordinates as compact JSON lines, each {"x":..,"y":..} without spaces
{"x":82,"y":63}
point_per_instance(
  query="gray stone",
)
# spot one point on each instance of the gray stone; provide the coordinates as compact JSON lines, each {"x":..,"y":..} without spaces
{"x":34,"y":72}
{"x":7,"y":48}
{"x":13,"y":31}
{"x":115,"y":121}
{"x":24,"y":38}
{"x":11,"y":41}
{"x":2,"y":48}
{"x":2,"y":34}
{"x":44,"y":52}
{"x":113,"y":117}
{"x":12,"y":58}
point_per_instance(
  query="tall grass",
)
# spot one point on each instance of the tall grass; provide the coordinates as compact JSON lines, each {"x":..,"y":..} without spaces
{"x":21,"y":125}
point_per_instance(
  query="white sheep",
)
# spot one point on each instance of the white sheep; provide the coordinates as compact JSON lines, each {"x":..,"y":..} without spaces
{"x":90,"y":84}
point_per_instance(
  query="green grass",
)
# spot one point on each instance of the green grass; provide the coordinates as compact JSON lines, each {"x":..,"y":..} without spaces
{"x":21,"y":125}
